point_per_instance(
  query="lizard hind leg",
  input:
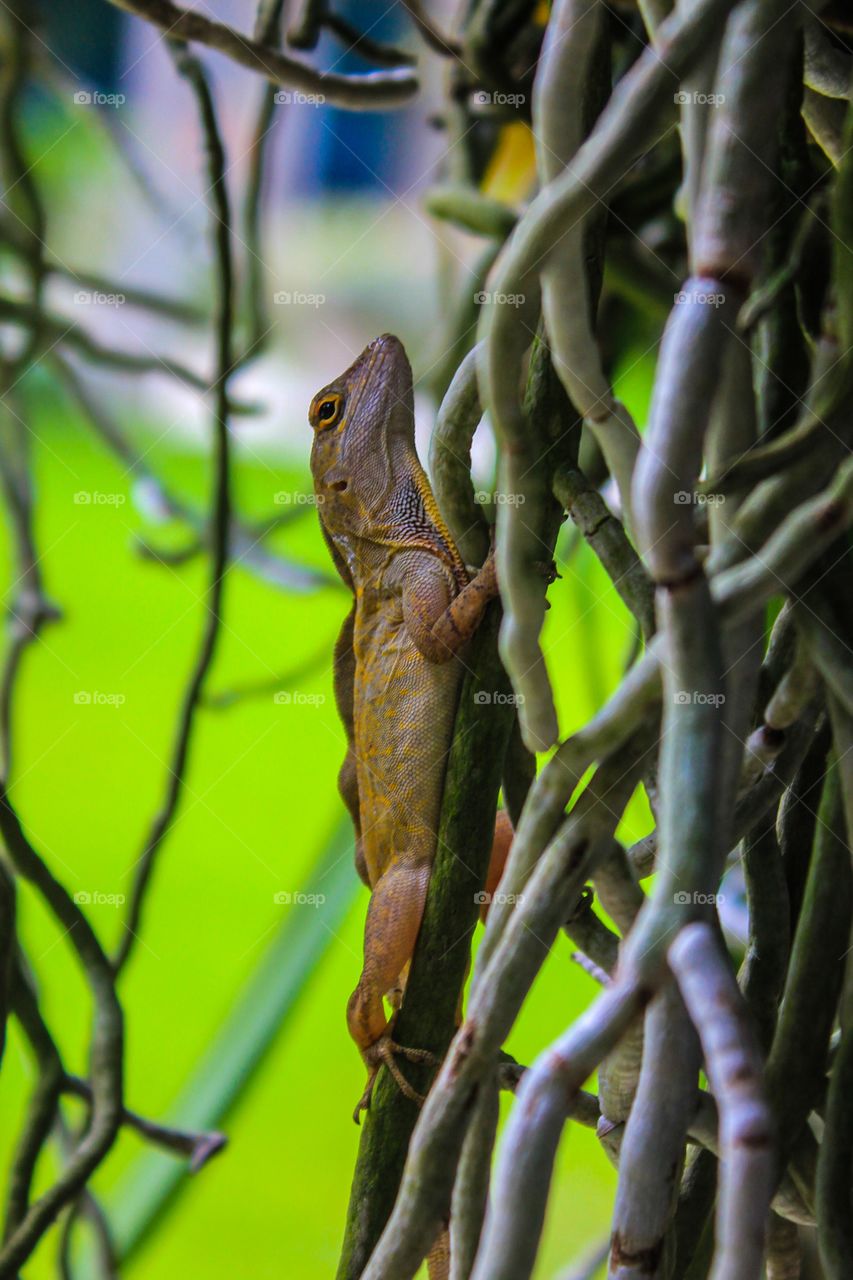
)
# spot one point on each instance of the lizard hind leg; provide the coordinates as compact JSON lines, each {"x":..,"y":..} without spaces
{"x":390,"y":932}
{"x":395,"y":995}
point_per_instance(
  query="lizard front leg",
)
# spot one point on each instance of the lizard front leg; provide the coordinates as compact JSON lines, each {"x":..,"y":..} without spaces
{"x":390,"y":932}
{"x":439,"y":620}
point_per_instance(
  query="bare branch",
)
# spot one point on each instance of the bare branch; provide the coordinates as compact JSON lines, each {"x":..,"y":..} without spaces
{"x":733,"y":1064}
{"x":376,"y":91}
{"x":220,"y":518}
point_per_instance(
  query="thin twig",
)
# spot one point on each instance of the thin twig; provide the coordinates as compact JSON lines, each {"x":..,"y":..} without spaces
{"x":199,"y":1147}
{"x":56,"y":330}
{"x":106,"y":1048}
{"x":191,"y":69}
{"x":375,"y":91}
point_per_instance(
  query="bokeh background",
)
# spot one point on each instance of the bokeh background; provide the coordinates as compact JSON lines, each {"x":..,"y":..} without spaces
{"x":235,"y":1001}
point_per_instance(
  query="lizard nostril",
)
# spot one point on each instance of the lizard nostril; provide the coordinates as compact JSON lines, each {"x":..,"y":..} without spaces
{"x":340,"y":486}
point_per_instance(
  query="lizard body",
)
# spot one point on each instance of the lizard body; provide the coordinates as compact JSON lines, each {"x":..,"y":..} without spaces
{"x":397,"y":676}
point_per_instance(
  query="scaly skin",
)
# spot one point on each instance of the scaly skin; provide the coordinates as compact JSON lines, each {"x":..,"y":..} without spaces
{"x":397,"y":676}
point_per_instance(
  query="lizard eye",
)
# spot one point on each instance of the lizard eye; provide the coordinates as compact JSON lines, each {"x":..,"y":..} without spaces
{"x":328,"y":410}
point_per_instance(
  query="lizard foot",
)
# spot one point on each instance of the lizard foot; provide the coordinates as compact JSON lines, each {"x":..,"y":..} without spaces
{"x":548,"y":570}
{"x":383,"y":1053}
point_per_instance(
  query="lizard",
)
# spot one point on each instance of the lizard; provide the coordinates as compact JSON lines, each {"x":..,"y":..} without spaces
{"x":397,"y":669}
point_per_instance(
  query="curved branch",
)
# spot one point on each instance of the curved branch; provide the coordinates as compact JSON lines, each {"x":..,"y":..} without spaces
{"x":376,"y":91}
{"x":450,"y":461}
{"x":835,"y":1164}
{"x":796,"y":1065}
{"x":197,"y":1147}
{"x":106,"y":1050}
{"x":607,"y":537}
{"x":432,"y":37}
{"x":827,"y":69}
{"x":471,"y":1189}
{"x":621,"y":133}
{"x":44,"y":1103}
{"x":734,"y":1067}
{"x":527,"y":1153}
{"x":563,"y":94}
{"x":191,"y":69}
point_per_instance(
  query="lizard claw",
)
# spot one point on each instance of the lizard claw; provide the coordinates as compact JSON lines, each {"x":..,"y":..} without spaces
{"x":383,"y":1052}
{"x":548,"y":569}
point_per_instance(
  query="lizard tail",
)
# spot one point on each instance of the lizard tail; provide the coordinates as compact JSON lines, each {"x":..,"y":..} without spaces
{"x":438,"y":1258}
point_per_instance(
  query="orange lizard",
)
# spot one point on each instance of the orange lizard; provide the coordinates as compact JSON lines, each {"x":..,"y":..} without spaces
{"x":397,"y":676}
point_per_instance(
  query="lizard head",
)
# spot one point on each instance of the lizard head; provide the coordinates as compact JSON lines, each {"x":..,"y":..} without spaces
{"x":364,"y":436}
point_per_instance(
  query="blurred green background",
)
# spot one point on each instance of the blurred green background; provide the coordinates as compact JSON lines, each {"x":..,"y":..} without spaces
{"x":223,"y":977}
